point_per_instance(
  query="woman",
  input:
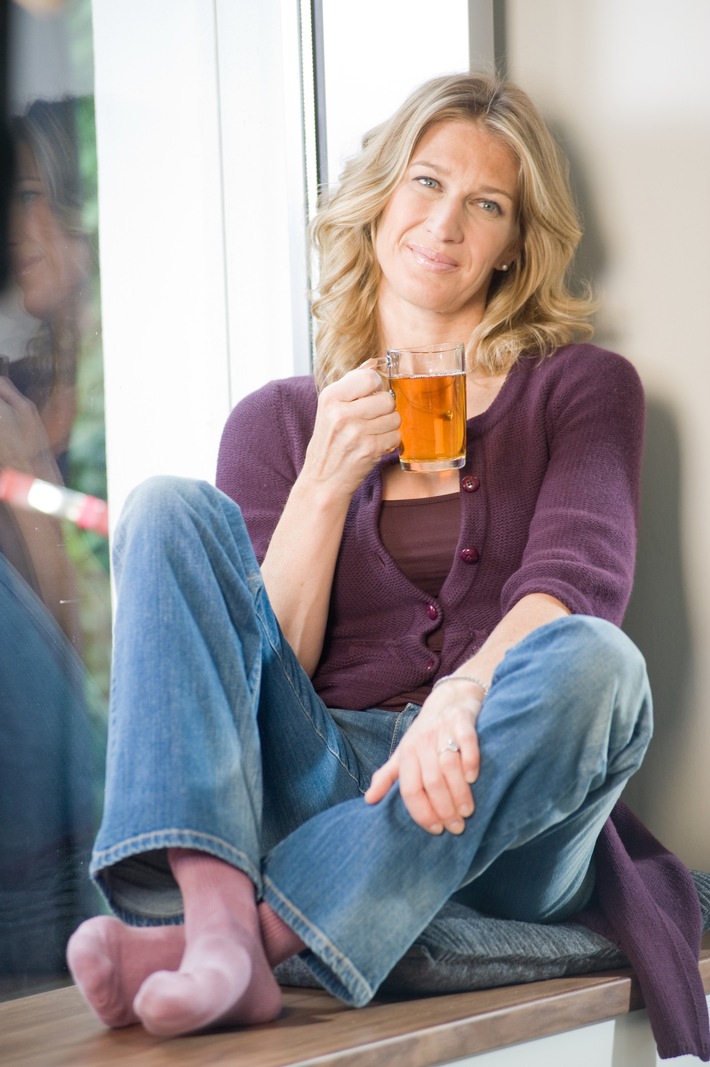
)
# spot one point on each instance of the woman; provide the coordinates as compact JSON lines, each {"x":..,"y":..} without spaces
{"x":53,"y":257}
{"x":420,"y":690}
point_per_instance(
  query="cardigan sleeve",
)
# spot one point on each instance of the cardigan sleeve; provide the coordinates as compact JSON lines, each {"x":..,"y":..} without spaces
{"x":262,"y":450}
{"x":581,"y":544}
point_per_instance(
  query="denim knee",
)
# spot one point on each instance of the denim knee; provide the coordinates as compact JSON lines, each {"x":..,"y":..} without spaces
{"x":607,"y":658}
{"x":581,"y":673}
{"x":604,"y":649}
{"x":161,"y":508}
{"x":586,"y":651}
{"x":595,"y":683}
{"x":161,"y":497}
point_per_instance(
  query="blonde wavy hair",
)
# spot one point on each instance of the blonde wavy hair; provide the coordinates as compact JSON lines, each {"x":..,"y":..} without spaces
{"x":529,"y":309}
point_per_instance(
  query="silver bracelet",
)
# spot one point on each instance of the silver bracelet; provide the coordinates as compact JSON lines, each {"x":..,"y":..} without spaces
{"x":462,"y":678}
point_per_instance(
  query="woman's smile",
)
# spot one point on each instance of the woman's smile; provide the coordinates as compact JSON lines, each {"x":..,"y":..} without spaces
{"x":432,"y":260}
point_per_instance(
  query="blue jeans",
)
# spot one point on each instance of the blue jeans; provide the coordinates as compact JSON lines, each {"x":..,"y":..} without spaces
{"x":219,"y":742}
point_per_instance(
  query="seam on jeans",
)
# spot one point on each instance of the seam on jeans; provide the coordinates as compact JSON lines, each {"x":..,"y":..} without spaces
{"x":396,"y":738}
{"x":358,"y":981}
{"x":304,"y":711}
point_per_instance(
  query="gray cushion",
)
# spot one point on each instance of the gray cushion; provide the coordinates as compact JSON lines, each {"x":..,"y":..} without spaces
{"x":463,"y":949}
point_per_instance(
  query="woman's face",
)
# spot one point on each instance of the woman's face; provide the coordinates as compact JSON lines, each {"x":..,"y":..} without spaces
{"x":48,"y":264}
{"x":450,"y":223}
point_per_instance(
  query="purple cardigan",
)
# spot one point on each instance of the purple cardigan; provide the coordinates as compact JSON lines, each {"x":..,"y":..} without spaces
{"x":549,"y":504}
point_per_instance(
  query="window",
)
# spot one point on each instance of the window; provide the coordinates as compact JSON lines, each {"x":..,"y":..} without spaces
{"x":55,"y":610}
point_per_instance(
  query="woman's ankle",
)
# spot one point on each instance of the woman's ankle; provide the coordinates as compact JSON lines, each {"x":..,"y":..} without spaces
{"x":280,"y":941}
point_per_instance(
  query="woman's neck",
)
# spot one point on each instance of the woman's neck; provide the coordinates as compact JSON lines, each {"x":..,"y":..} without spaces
{"x":481,"y":390}
{"x":409,"y":326}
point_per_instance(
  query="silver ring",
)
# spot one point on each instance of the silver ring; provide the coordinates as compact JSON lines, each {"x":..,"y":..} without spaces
{"x":450,"y":746}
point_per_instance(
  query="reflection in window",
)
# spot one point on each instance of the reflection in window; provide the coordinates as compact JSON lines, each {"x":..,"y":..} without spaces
{"x":54,"y":575}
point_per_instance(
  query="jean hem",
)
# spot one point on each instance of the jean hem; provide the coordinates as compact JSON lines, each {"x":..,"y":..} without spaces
{"x":124,"y":901}
{"x":335,"y":972}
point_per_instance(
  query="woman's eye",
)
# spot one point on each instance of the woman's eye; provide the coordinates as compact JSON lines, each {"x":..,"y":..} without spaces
{"x":26,"y":196}
{"x":428,"y":183}
{"x":490,"y":207}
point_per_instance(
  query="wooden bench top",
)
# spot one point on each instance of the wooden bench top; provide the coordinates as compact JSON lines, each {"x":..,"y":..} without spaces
{"x":55,"y":1029}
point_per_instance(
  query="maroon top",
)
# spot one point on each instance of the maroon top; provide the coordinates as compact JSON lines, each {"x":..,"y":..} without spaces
{"x":420,"y":536}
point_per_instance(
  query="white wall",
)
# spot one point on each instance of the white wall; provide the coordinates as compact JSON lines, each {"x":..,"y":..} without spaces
{"x":161,"y":230}
{"x":376,"y":54}
{"x":626,"y":85}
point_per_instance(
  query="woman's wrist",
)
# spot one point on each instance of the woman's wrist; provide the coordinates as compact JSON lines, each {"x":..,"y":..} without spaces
{"x":319,"y":493}
{"x":473,"y":679}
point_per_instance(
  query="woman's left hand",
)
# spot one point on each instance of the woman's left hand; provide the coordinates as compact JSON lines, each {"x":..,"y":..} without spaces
{"x":436,"y":761}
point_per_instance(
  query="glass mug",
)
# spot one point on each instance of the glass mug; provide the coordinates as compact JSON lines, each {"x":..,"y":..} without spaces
{"x":429,"y":388}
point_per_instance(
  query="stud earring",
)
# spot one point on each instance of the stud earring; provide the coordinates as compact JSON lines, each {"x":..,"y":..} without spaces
{"x":505,"y":266}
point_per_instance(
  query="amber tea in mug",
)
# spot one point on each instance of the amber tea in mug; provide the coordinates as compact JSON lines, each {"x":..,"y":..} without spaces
{"x":429,"y":388}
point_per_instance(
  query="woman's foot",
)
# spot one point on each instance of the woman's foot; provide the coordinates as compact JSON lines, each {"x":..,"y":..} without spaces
{"x":109,"y":962}
{"x":224,"y":977}
{"x":224,"y":980}
{"x":148,"y":974}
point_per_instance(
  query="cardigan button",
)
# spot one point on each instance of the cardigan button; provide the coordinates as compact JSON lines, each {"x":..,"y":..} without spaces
{"x":430,"y":666}
{"x":432,"y":611}
{"x":469,"y":555}
{"x":470,"y":483}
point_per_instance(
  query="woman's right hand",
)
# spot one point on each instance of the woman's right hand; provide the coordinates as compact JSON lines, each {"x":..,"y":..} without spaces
{"x":356,"y":424}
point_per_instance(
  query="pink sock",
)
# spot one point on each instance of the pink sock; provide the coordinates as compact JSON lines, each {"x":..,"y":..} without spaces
{"x":110,"y":961}
{"x":224,"y":976}
{"x":280,"y":942}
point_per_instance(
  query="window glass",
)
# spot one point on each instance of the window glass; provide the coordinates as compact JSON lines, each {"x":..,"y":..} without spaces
{"x":55,"y":609}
